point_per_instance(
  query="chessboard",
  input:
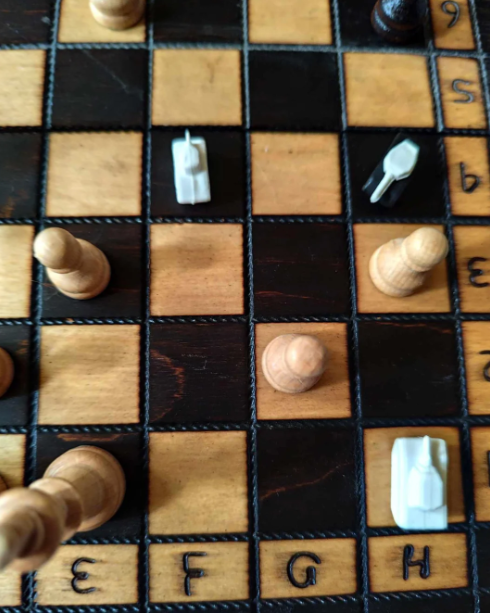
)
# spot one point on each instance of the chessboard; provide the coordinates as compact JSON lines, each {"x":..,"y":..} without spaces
{"x":237,"y":494}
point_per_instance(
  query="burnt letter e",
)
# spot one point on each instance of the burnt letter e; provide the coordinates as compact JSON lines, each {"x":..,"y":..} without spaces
{"x":310,"y":571}
{"x":191,"y":573}
{"x":423,"y":563}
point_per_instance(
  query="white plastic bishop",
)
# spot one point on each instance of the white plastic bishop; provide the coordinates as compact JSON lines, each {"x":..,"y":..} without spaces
{"x":418,"y":483}
{"x":398,"y":164}
{"x":191,"y":169}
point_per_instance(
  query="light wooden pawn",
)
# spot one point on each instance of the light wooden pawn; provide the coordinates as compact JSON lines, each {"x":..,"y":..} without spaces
{"x":293,"y":363}
{"x":6,"y":371}
{"x":117,"y":14}
{"x":3,"y":485}
{"x":400,"y":267}
{"x":76,"y":268}
{"x":80,"y":491}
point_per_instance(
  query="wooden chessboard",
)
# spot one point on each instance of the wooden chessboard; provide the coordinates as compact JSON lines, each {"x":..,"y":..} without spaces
{"x":298,"y":100}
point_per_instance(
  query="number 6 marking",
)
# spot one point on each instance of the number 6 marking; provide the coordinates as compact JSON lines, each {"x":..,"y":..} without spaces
{"x":455,"y":12}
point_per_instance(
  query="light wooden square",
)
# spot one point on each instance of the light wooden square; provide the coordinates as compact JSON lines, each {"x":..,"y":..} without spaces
{"x":89,"y":374}
{"x":295,"y":174}
{"x":15,"y":270}
{"x":460,"y":34}
{"x":22,"y":85}
{"x":225,"y":566}
{"x":198,"y":482}
{"x":304,"y":22}
{"x":476,"y":340}
{"x":432,"y":297}
{"x":329,"y":398}
{"x":114,"y":575}
{"x":196,"y":269}
{"x":448,"y":562}
{"x":480,"y":447}
{"x":94,"y":174}
{"x":197,"y":87}
{"x":335,"y":575}
{"x":378,"y":443}
{"x":457,"y":114}
{"x":78,"y":26}
{"x":388,"y":90}
{"x":12,"y":458}
{"x":473,"y":153}
{"x":473,"y":242}
{"x":10,"y":589}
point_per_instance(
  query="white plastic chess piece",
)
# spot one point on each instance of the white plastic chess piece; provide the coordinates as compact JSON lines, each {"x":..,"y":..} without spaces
{"x":191,"y":170}
{"x":398,"y":164}
{"x":418,"y":483}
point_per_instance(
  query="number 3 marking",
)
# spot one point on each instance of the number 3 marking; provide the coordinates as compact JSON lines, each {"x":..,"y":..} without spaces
{"x":455,"y":12}
{"x":81,"y":575}
{"x":476,"y":272}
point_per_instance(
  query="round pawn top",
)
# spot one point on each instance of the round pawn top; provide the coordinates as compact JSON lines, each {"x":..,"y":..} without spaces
{"x":57,"y":249}
{"x":6,"y":371}
{"x":424,"y":249}
{"x":293,"y":363}
{"x":117,"y":14}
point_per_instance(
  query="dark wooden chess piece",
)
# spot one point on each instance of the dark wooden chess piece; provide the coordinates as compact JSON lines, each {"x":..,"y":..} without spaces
{"x":397,"y":21}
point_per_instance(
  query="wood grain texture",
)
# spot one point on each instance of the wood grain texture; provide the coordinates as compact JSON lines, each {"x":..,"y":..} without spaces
{"x":458,"y":36}
{"x":335,"y":575}
{"x":196,"y":269}
{"x":473,"y":153}
{"x":448,"y":562}
{"x":292,"y":22}
{"x":10,"y":588}
{"x":94,"y":174}
{"x":432,"y":297}
{"x":225,"y":566}
{"x":476,"y":339}
{"x":471,"y":242}
{"x":15,"y":270}
{"x":388,"y":90}
{"x":197,"y":87}
{"x":480,"y":447}
{"x":329,"y":398}
{"x":22,"y":83}
{"x":12,"y":457}
{"x":378,"y":443}
{"x":202,"y":484}
{"x":113,"y":575}
{"x":89,"y":374}
{"x":295,"y":174}
{"x":78,"y":26}
{"x":457,"y":114}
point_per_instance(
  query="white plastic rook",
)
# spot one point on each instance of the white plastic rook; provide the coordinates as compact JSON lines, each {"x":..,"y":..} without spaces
{"x":398,"y":164}
{"x":191,"y":174}
{"x":419,"y":483}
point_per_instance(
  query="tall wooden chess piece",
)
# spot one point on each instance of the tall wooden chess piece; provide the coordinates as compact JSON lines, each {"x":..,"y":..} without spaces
{"x":397,"y":21}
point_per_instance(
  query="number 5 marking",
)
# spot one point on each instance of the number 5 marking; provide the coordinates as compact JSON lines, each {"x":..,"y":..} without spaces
{"x":455,"y":12}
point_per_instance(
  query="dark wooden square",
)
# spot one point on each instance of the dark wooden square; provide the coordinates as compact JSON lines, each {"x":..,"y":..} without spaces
{"x":423,"y":195}
{"x":126,"y":448}
{"x":483,"y":13}
{"x":226,"y":174}
{"x":290,"y":90}
{"x":20,"y":158}
{"x":199,"y":373}
{"x":213,"y":21}
{"x":14,"y":404}
{"x":483,"y":557}
{"x":300,"y":269}
{"x":306,"y":480}
{"x":408,"y":370}
{"x":311,"y":606}
{"x":25,"y":22}
{"x":437,"y":603}
{"x":122,"y":244}
{"x":97,"y":88}
{"x":356,"y":29}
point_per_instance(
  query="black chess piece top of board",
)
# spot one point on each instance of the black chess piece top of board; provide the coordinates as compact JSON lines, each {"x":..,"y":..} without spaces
{"x":398,"y":20}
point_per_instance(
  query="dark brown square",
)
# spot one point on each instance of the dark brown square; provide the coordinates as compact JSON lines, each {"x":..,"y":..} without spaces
{"x":122,"y":245}
{"x":408,"y":370}
{"x":20,"y":158}
{"x":437,"y":603}
{"x":25,"y":22}
{"x":14,"y":404}
{"x":226,"y":174}
{"x":199,"y":373}
{"x":126,"y":448}
{"x":300,"y":269}
{"x":100,"y":88}
{"x":306,"y":480}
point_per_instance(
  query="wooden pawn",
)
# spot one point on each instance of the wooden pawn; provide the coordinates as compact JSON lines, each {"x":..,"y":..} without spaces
{"x":401,"y":266}
{"x":76,"y":268}
{"x":80,"y":490}
{"x":6,"y":371}
{"x":293,"y":363}
{"x":117,"y":14}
